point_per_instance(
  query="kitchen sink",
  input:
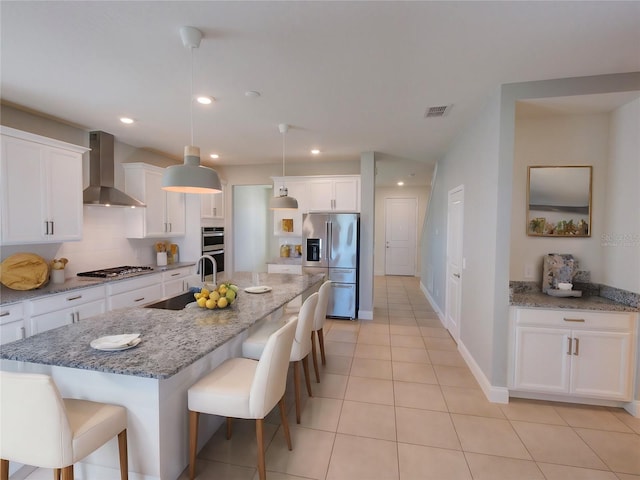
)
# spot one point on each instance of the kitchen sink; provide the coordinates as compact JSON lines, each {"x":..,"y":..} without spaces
{"x":174,"y":303}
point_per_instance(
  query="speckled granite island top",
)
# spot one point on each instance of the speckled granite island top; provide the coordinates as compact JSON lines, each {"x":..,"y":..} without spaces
{"x":171,"y":340}
{"x":542,"y":300}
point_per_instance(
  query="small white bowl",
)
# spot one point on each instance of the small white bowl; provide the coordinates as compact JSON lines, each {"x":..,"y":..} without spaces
{"x":565,"y":286}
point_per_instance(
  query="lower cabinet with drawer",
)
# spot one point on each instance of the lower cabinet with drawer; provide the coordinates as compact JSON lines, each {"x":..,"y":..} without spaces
{"x":284,"y":268}
{"x":573,"y":352}
{"x":12,"y":326}
{"x":66,"y":308}
{"x":173,"y":281}
{"x":135,"y":292}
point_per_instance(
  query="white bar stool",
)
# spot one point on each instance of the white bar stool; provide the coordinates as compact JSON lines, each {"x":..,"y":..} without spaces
{"x":244,"y":388}
{"x":254,"y":345}
{"x":320,"y":315}
{"x":40,"y":428}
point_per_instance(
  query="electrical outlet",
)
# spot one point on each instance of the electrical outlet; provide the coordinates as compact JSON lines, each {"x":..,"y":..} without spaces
{"x":528,"y":270}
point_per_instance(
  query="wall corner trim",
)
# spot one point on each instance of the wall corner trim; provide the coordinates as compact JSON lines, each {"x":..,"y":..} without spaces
{"x":493,"y":393}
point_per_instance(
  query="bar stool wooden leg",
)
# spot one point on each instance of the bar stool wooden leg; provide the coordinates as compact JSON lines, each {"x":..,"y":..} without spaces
{"x":193,"y":442}
{"x":285,"y":423}
{"x":296,"y":384}
{"x":229,"y":427}
{"x":56,"y":474}
{"x":124,"y":459}
{"x":67,"y":473}
{"x":321,"y":341}
{"x":4,"y":469}
{"x":259,"y":437}
{"x":305,"y":366}
{"x":315,"y":355}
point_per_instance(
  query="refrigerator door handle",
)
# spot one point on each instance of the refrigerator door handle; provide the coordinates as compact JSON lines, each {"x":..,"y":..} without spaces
{"x":328,"y":240}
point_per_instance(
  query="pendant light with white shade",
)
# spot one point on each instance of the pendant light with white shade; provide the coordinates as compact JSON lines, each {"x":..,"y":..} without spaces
{"x":191,"y":177}
{"x":283,"y":201}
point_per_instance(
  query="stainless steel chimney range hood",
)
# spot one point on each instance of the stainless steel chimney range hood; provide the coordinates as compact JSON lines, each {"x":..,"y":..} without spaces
{"x":101,"y":190}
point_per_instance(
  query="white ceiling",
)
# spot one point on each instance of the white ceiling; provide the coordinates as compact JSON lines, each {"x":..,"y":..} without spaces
{"x":348,"y":77}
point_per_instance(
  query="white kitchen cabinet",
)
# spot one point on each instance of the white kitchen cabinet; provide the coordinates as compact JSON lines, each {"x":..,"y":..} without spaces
{"x":41,"y":181}
{"x":573,"y":352}
{"x":338,"y":193}
{"x":66,"y":308}
{"x":164,"y":215}
{"x":12,"y":326}
{"x":284,"y":268}
{"x":134,"y":292}
{"x":173,"y":281}
{"x":212,"y":205}
{"x":316,"y":193}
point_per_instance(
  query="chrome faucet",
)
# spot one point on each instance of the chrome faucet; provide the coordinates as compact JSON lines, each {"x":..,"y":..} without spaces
{"x":202,"y":270}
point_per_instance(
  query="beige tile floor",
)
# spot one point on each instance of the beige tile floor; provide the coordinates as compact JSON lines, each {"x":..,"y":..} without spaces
{"x":396,"y":401}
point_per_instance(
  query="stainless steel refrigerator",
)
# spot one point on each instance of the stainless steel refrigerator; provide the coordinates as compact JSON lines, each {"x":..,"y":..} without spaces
{"x":331,"y":245}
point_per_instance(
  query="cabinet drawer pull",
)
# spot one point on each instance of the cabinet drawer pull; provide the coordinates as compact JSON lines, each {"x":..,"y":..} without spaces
{"x":52,"y":227}
{"x":46,"y":225}
{"x":139,"y":299}
{"x":73,"y":317}
{"x":577,"y":350}
{"x":74,"y":298}
{"x":175,"y":274}
{"x":574,"y":319}
{"x":4,"y":314}
{"x":570,"y":343}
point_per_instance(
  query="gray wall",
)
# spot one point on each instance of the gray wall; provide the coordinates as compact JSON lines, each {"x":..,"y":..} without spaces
{"x":482,"y":159}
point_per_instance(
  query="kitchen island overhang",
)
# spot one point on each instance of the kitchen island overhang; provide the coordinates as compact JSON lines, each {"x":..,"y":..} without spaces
{"x":152,"y":379}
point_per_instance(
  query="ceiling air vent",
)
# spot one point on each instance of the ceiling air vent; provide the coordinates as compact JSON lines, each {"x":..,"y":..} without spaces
{"x":440,"y":111}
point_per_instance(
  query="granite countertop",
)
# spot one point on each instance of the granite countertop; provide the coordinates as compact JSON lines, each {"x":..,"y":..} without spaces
{"x":171,"y":340}
{"x":8,"y":295}
{"x":589,"y":302}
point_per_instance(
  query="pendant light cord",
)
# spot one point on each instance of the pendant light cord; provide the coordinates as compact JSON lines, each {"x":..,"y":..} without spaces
{"x":283,"y":154}
{"x":191,"y":96}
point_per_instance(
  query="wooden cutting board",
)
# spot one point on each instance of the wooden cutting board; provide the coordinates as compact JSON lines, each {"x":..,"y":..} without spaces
{"x":24,"y":271}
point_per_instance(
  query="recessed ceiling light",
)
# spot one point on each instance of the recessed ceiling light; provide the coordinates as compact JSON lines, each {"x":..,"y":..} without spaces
{"x":315,"y":151}
{"x":400,"y":184}
{"x":205,"y":99}
{"x":251,"y":94}
{"x":126,"y":120}
{"x":214,"y":155}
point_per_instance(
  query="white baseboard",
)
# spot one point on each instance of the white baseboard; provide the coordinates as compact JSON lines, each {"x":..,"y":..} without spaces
{"x":365,"y":314}
{"x":633,"y":407}
{"x":433,"y":303}
{"x":494,"y":394}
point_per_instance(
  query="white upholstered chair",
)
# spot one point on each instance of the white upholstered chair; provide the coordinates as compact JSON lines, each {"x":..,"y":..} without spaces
{"x":244,"y":388}
{"x":40,"y":428}
{"x":254,"y":345}
{"x":319,"y":317}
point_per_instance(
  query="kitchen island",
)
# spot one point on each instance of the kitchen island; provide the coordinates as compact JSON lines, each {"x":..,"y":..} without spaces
{"x":151,"y":380}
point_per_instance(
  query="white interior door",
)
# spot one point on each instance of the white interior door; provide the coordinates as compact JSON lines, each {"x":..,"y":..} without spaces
{"x":400,"y":235}
{"x":455,"y":216}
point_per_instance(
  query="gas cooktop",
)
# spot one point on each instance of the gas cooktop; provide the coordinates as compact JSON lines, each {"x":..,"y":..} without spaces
{"x":116,"y":272}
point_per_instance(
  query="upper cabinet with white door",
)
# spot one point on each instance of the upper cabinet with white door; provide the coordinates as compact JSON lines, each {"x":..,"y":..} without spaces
{"x":41,"y":181}
{"x":164,"y":215}
{"x":212,"y":205}
{"x":337,"y":193}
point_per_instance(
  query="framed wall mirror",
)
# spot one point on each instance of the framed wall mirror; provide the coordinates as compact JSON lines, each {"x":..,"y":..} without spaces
{"x":559,"y":201}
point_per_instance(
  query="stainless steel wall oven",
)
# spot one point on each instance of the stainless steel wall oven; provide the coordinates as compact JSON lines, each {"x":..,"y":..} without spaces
{"x":213,"y":244}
